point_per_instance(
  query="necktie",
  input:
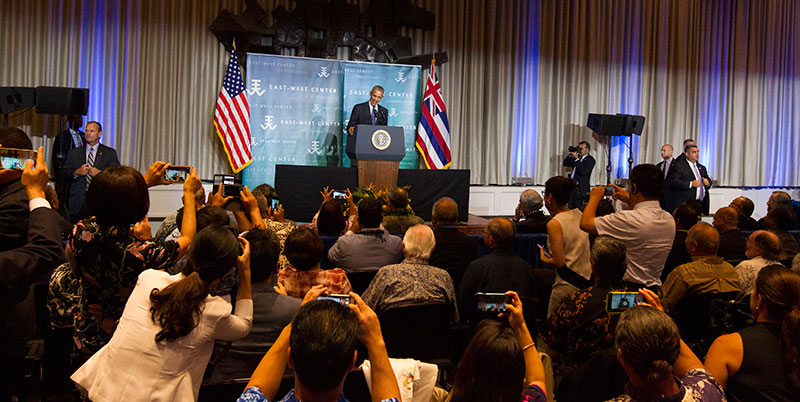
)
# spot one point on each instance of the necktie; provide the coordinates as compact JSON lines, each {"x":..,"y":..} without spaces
{"x":701,"y":191}
{"x":90,"y":161}
{"x":374,"y":114}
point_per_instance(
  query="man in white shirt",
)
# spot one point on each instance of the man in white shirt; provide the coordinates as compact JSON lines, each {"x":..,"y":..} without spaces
{"x":687,"y":179}
{"x":762,"y":250}
{"x":645,"y":228}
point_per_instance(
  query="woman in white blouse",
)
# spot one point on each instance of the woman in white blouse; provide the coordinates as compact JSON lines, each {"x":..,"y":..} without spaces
{"x":166,"y":334}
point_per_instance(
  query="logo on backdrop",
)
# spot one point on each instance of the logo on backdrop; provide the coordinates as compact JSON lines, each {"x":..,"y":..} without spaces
{"x":267,"y":124}
{"x":393,"y":112}
{"x":323,"y":72}
{"x":255,"y":88}
{"x":381,"y":140}
{"x":315,"y":149}
{"x":400,"y":77}
{"x":316,"y":108}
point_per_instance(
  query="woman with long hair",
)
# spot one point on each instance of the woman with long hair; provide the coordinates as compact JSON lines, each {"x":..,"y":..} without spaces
{"x":762,"y":362}
{"x":166,"y":334}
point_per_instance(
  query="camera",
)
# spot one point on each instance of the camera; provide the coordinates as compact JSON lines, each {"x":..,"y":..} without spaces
{"x":574,"y":149}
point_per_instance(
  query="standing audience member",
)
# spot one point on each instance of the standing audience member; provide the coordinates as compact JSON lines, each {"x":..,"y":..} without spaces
{"x":580,"y":327}
{"x":762,"y":250}
{"x":706,"y":273}
{"x":646,"y":229}
{"x":582,"y":165}
{"x":780,"y":220}
{"x":367,"y":245}
{"x":166,"y":333}
{"x":762,"y":362}
{"x":454,"y":250}
{"x":568,"y":244}
{"x":398,"y":217}
{"x":65,"y":142}
{"x":320,"y":345}
{"x":686,"y":216}
{"x":687,"y":180}
{"x":496,"y":272}
{"x":271,"y":312}
{"x":303,"y":249}
{"x":528,"y":215}
{"x":412,"y":281}
{"x":744,"y":208}
{"x":732,"y":243}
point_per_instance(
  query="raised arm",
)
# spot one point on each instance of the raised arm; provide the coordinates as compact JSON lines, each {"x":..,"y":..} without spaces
{"x":189,"y":224}
{"x":384,"y":384}
{"x":534,"y":369}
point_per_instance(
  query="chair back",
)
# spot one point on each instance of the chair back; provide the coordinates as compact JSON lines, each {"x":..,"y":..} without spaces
{"x":419,"y":331}
{"x":361,"y":279}
{"x":693,"y":316}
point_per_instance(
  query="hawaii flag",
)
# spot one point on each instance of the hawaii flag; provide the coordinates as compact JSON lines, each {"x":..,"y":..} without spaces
{"x":232,"y":117}
{"x":433,"y":132}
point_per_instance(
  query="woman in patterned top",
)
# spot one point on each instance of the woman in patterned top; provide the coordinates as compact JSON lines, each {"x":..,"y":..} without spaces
{"x":303,"y":249}
{"x":108,"y":258}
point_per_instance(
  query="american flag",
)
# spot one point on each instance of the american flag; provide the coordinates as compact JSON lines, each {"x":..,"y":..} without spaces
{"x":433,"y":132}
{"x":232,"y":117}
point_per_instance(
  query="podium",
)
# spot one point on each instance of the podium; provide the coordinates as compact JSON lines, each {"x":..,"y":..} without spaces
{"x":376,"y":151}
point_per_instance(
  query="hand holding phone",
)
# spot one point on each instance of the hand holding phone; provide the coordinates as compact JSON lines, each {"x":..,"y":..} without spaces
{"x":14,"y":158}
{"x":618,"y":302}
{"x":177,"y":173}
{"x":493,"y":302}
{"x":344,"y":300}
{"x":545,"y":251}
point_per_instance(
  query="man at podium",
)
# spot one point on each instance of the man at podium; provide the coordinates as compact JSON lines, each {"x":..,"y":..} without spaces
{"x":369,"y":112}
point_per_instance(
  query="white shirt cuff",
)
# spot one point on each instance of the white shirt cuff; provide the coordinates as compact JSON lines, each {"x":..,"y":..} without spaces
{"x":38,"y":202}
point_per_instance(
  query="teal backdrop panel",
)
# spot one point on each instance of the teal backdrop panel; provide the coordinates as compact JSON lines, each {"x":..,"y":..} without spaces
{"x":400,"y":98}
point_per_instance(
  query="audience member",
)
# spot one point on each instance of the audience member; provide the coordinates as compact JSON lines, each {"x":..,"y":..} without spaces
{"x":272,"y":311}
{"x":303,"y":249}
{"x":273,"y":218}
{"x":686,"y":216}
{"x":496,"y":272}
{"x":398,"y":215}
{"x":528,"y":215}
{"x":320,"y":344}
{"x":453,"y":250}
{"x":568,"y":244}
{"x":744,"y":208}
{"x":687,"y":180}
{"x":762,"y":250}
{"x":166,"y":333}
{"x":659,"y":365}
{"x":81,"y":167}
{"x":330,"y":219}
{"x":796,"y":263}
{"x":780,"y":220}
{"x":172,"y":223}
{"x":108,"y":258}
{"x":666,"y":159}
{"x":580,"y":327}
{"x":646,"y":229}
{"x":412,"y":281}
{"x":14,"y":209}
{"x":707,"y":273}
{"x":762,"y":362}
{"x":367,"y":245}
{"x":732,"y":243}
{"x":776,"y":199}
{"x":64,"y":142}
{"x":501,"y":362}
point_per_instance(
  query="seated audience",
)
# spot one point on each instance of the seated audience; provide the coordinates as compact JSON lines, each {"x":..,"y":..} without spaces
{"x":567,"y":243}
{"x":330,"y":219}
{"x":108,"y":258}
{"x":732,"y":243}
{"x":762,"y":250}
{"x":413,"y":280}
{"x":780,"y":220}
{"x":273,"y":219}
{"x":367,"y":245}
{"x":659,"y":365}
{"x":776,"y":199}
{"x":686,"y":216}
{"x":166,"y":334}
{"x":320,"y":344}
{"x":580,"y":327}
{"x":172,"y":223}
{"x":496,"y":272}
{"x":646,"y":229}
{"x":744,"y":208}
{"x":501,"y":363}
{"x":796,"y":263}
{"x":271,"y":312}
{"x":707,"y":273}
{"x":398,"y":217}
{"x":303,"y":250}
{"x":762,"y":362}
{"x":528,"y":215}
{"x":454,"y":249}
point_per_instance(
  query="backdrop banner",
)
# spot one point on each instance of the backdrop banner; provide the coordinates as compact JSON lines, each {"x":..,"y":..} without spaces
{"x":299,"y":107}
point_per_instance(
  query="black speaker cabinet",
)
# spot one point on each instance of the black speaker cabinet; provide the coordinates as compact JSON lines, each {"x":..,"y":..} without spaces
{"x":16,"y":98}
{"x":60,"y":100}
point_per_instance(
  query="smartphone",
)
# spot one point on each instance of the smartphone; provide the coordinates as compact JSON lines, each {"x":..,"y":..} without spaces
{"x":13,"y":158}
{"x":617,"y":302}
{"x":339,"y":195}
{"x":274,"y":203}
{"x":344,"y":300}
{"x":177,"y":173}
{"x":223,"y":179}
{"x":546,"y":251}
{"x":231,"y":190}
{"x":493,"y":302}
{"x":609,"y":191}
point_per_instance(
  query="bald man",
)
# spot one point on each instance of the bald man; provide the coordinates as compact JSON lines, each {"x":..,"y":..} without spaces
{"x":454,"y":250}
{"x":706,"y":273}
{"x":666,"y":159}
{"x":745,"y":207}
{"x":763,"y":249}
{"x":732,"y":243}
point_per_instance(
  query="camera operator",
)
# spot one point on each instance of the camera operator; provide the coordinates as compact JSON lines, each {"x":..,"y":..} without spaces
{"x":582,"y":164}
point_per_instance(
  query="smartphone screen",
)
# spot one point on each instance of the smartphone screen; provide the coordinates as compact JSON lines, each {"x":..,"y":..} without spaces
{"x":344,"y":300}
{"x":231,"y":190}
{"x":339,"y":195}
{"x":617,"y":302}
{"x":546,"y":251}
{"x":493,"y":302}
{"x":274,"y":203}
{"x":13,"y":158}
{"x":177,"y":173}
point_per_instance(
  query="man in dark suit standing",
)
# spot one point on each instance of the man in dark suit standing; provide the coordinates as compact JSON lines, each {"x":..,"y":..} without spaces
{"x":686,"y":143}
{"x":687,"y":179}
{"x":68,"y":140}
{"x":666,"y":163}
{"x":82,"y":165}
{"x":582,"y":164}
{"x":369,"y":112}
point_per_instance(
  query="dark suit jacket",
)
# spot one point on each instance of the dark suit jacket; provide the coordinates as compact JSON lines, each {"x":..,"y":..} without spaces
{"x":661,"y":166}
{"x":533,"y":223}
{"x":732,"y":245}
{"x":14,"y":212}
{"x":453,"y":250}
{"x":61,"y":147}
{"x":361,"y":115}
{"x":677,"y":189}
{"x":583,"y":171}
{"x":105,"y":158}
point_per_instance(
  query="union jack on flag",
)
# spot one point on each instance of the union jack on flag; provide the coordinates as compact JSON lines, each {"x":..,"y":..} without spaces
{"x":433,"y":132}
{"x":232,"y":117}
